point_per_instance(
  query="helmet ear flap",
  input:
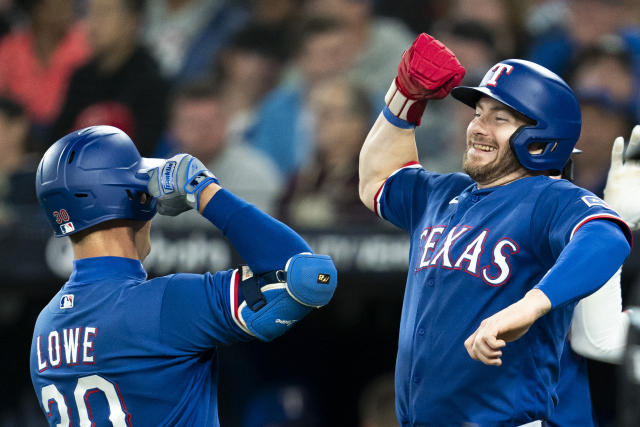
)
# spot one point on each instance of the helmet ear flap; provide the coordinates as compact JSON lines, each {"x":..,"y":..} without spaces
{"x":91,"y":176}
{"x":548,"y":104}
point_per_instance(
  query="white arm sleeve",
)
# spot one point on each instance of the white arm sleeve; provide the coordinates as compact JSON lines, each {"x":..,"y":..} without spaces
{"x":599,"y":326}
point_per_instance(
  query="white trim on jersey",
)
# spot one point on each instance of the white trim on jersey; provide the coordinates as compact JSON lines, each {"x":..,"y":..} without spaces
{"x":234,"y":305}
{"x":378,"y":196}
{"x":595,"y":216}
{"x":536,"y":423}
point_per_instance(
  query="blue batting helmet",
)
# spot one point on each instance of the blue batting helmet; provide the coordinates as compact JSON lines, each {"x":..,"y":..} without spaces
{"x":540,"y":95}
{"x":91,"y":176}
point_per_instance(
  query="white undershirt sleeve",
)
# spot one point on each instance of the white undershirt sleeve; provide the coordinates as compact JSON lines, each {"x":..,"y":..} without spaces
{"x":599,"y":326}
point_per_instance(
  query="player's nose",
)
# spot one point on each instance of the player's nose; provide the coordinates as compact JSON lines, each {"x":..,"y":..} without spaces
{"x":476,"y":129}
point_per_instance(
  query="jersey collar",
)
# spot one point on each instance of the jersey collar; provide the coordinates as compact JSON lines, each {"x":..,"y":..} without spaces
{"x":108,"y":267}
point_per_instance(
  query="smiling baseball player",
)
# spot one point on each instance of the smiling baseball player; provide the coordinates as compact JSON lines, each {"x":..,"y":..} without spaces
{"x":499,"y":255}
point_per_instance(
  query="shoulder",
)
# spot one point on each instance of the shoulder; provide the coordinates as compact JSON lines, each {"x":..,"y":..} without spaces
{"x":414,"y":172}
{"x":565,"y":191}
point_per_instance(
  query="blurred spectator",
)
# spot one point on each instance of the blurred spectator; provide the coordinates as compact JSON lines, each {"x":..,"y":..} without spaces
{"x":377,"y":403}
{"x":37,"y":59}
{"x":602,"y":121}
{"x":376,"y":42}
{"x":325,"y":191}
{"x":186,"y":35}
{"x":498,"y":15}
{"x":248,"y":68}
{"x":559,"y":29}
{"x":121,"y":85}
{"x":288,"y":405}
{"x":7,"y":17}
{"x":283,"y":126}
{"x":474,"y":44}
{"x":198,"y":125}
{"x":604,"y":82}
{"x":17,"y":165}
{"x":276,"y":13}
{"x":607,"y":67}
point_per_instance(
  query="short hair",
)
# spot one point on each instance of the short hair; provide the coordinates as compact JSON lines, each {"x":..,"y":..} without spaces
{"x":198,"y":89}
{"x":264,"y":40}
{"x":11,"y":108}
{"x":136,"y":7}
{"x":315,"y":26}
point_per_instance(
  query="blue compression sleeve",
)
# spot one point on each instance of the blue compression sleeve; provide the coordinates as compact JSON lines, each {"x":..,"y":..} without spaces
{"x":590,"y":258}
{"x":263,"y":242}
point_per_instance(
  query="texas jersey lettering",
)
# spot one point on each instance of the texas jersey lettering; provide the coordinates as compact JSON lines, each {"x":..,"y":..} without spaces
{"x":473,"y":252}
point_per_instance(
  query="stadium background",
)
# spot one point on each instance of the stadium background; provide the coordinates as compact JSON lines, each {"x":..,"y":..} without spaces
{"x":276,"y":97}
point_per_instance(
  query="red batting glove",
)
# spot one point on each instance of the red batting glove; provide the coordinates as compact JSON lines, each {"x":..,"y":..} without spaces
{"x":428,"y":70}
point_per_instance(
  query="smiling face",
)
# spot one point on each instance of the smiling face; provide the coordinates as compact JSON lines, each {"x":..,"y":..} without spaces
{"x":489,"y":159}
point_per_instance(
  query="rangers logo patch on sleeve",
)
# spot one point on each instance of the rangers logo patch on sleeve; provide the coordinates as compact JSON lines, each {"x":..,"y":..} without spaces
{"x":594,"y":201}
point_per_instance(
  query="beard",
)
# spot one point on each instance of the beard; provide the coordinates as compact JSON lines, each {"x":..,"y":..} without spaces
{"x":504,"y":164}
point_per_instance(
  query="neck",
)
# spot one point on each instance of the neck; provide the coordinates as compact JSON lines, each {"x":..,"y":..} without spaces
{"x":507,"y":179}
{"x":115,"y":241}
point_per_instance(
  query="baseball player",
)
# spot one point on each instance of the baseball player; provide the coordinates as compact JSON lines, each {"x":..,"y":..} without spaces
{"x":499,"y":255}
{"x":599,"y":325}
{"x":112,"y":346}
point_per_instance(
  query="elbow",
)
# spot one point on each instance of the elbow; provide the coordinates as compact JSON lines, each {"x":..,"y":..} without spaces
{"x":362,"y":191}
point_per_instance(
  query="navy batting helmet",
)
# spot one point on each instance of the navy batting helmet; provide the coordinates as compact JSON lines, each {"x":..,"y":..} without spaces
{"x":543,"y":97}
{"x":93,"y":175}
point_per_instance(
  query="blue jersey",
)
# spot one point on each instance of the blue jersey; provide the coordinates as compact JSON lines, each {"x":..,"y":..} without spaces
{"x":474,"y":252}
{"x":574,"y":396}
{"x":112,"y":348}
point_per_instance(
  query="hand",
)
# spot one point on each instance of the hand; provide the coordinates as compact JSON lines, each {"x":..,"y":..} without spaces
{"x":623,"y":182}
{"x":177,"y":183}
{"x":506,"y":325}
{"x":428,"y":70}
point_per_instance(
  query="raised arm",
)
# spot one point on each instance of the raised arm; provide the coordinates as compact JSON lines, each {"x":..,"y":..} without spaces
{"x":428,"y":70}
{"x":285,"y":281}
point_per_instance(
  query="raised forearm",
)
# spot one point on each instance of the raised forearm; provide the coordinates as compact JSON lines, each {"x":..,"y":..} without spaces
{"x":386,"y":149}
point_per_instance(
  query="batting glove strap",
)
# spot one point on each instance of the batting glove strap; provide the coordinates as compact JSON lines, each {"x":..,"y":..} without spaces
{"x":177,"y":183}
{"x":402,"y":110}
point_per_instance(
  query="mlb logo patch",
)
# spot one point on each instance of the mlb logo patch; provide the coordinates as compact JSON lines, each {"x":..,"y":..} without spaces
{"x":66,"y":301}
{"x":67,"y":227}
{"x":594,"y":201}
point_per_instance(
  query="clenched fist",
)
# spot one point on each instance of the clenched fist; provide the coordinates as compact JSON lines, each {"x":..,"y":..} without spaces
{"x":428,"y":70}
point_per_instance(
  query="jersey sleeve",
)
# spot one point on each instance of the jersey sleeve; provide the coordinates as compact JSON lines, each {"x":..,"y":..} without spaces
{"x":200,"y":311}
{"x":408,"y":192}
{"x":563,"y":209}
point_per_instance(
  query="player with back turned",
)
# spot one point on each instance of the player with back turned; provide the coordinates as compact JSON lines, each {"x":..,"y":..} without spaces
{"x":114,"y":347}
{"x":499,"y":255}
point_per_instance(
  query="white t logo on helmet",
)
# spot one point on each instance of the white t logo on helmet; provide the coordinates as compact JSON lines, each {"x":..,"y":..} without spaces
{"x":497,"y":72}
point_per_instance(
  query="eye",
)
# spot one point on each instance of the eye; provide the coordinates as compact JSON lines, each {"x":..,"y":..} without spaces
{"x":501,"y":119}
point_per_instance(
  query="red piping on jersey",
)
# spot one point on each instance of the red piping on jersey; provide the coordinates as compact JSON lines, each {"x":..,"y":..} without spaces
{"x":375,"y":197}
{"x":623,"y":225}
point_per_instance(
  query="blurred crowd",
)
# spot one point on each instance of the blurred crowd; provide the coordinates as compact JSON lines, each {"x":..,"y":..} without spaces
{"x":277,"y":96}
